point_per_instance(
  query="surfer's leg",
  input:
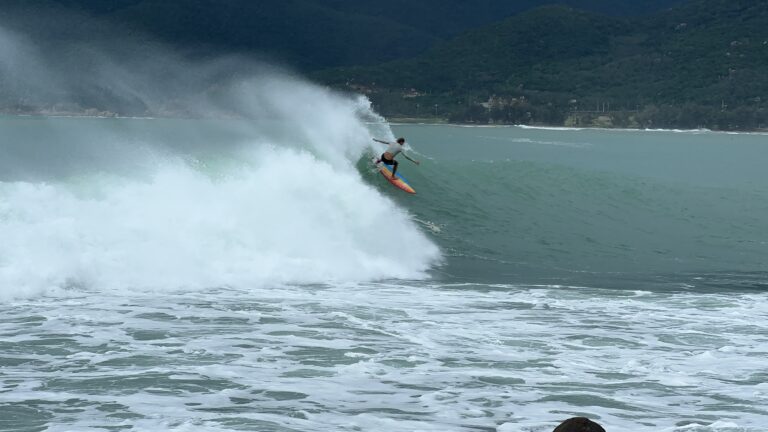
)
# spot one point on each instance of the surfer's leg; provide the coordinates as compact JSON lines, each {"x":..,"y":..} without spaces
{"x":394,"y":168}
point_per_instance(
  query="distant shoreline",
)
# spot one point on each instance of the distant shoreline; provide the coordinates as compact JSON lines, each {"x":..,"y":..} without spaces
{"x":395,"y":121}
{"x":437,"y":121}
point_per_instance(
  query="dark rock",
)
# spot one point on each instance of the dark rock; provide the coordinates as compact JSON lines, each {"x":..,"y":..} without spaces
{"x":579,"y":424}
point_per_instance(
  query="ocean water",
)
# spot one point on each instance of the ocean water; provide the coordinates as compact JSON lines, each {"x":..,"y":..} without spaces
{"x":226,"y":275}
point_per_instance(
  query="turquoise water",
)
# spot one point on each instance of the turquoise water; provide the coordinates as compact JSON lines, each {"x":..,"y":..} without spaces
{"x":589,"y":206}
{"x":224,"y":275}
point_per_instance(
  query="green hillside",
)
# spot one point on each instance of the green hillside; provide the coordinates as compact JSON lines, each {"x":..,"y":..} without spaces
{"x":704,"y":64}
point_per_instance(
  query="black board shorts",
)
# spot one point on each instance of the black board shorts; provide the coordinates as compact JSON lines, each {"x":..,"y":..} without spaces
{"x":387,"y":161}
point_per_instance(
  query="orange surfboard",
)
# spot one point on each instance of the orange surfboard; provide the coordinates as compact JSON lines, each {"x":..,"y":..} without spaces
{"x":398,"y":181}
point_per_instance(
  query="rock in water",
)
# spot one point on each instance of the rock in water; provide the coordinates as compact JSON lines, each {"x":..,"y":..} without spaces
{"x":579,"y":424}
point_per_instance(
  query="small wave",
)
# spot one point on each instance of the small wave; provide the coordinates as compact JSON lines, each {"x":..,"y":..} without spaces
{"x":554,"y":128}
{"x":540,"y":142}
{"x":564,"y":128}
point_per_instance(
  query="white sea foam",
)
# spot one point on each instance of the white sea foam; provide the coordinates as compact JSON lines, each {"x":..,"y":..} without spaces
{"x":520,"y":140}
{"x":401,"y":357}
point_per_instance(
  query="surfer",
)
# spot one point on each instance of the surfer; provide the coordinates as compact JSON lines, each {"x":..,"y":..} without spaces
{"x":393,"y":149}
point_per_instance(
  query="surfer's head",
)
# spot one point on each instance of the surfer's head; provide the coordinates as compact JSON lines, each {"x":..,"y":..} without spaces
{"x":401,"y":141}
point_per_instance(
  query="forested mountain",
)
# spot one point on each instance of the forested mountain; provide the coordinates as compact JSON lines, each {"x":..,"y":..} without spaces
{"x":306,"y":34}
{"x":655,"y":63}
{"x":704,"y":63}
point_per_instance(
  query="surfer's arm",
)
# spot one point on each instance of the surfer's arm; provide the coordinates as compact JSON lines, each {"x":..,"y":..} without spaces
{"x":412,"y":160}
{"x":380,"y":141}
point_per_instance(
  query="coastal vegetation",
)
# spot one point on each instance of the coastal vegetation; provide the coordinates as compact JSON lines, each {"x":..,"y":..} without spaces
{"x":703,"y":64}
